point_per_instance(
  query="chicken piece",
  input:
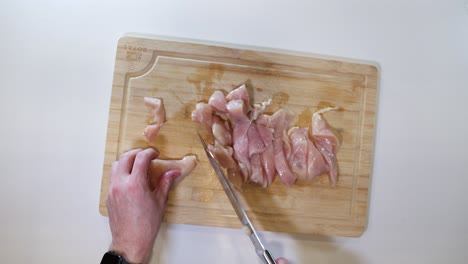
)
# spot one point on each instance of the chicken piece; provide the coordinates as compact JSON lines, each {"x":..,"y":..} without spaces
{"x":223,"y":154}
{"x":280,"y":122}
{"x":256,"y":144}
{"x":265,"y":133}
{"x":268,"y":163}
{"x":203,"y":114}
{"x":240,"y":126}
{"x":158,"y":167}
{"x":257,"y":170}
{"x":240,"y":93}
{"x":326,"y":141}
{"x":316,"y":164}
{"x":157,"y":110}
{"x":221,"y":131}
{"x":158,"y":117}
{"x":300,"y":148}
{"x":151,"y":132}
{"x":218,"y":102}
{"x":268,"y":156}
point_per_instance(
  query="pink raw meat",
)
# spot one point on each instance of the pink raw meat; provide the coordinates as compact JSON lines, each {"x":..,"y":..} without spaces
{"x":300,"y":144}
{"x":158,"y":167}
{"x":158,"y":116}
{"x":221,"y":131}
{"x":280,"y":121}
{"x":203,"y":114}
{"x":241,"y":124}
{"x":218,"y":102}
{"x":326,"y":141}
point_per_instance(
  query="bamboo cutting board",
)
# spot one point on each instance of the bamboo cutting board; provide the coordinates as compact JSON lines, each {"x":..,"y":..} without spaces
{"x":183,"y":74}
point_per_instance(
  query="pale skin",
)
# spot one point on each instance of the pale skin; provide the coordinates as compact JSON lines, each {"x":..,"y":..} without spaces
{"x":136,"y":211}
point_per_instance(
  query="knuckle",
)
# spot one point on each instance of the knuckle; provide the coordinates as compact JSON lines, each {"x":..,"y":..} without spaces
{"x":132,"y":187}
{"x":113,"y":191}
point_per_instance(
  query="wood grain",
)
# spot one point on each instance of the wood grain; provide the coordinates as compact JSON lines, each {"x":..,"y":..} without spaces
{"x":183,"y":74}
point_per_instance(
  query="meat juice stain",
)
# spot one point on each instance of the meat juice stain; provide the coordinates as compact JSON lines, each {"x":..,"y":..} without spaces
{"x":323,"y":104}
{"x":281,"y":98}
{"x":204,"y":78}
{"x":304,"y":118}
{"x":278,"y":101}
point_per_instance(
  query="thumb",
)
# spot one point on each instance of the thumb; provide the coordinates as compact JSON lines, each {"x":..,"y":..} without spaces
{"x":282,"y":261}
{"x":165,"y":183}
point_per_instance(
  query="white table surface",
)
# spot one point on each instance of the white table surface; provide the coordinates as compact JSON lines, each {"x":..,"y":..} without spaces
{"x":56,"y":67}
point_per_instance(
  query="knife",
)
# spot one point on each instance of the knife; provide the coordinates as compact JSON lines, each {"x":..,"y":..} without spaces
{"x":247,"y":225}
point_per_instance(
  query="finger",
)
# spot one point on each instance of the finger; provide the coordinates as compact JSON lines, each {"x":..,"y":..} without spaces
{"x":165,"y":184}
{"x":282,"y":261}
{"x":126,"y":161}
{"x":142,"y":163}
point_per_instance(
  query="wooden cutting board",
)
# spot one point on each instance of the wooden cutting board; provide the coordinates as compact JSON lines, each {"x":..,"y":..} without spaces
{"x":183,"y":74}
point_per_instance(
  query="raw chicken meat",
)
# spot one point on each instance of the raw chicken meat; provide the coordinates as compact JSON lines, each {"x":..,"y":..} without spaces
{"x":327,"y":142}
{"x":158,"y":116}
{"x":223,"y":154}
{"x":241,"y":124}
{"x":239,"y":93}
{"x":157,"y":109}
{"x":280,"y":121}
{"x":151,"y":131}
{"x":316,"y":164}
{"x":221,"y":131}
{"x":306,"y":161}
{"x":203,"y":114}
{"x":254,"y":146}
{"x":158,"y":167}
{"x":300,"y":148}
{"x":218,"y":102}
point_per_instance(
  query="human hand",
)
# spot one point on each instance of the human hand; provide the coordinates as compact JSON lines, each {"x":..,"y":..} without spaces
{"x":282,"y":261}
{"x":136,"y":211}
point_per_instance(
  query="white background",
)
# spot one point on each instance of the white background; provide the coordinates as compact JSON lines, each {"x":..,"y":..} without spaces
{"x":56,"y":67}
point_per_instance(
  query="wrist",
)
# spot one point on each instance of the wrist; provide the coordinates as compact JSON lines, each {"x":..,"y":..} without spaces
{"x":132,"y":254}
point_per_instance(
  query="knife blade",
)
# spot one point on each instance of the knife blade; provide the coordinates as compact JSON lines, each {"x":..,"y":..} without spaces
{"x":247,"y":225}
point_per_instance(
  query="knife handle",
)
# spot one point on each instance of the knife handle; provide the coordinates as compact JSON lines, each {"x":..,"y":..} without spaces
{"x":268,"y":258}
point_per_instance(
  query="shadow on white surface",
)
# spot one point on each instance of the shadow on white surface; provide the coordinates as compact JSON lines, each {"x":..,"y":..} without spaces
{"x":198,"y":244}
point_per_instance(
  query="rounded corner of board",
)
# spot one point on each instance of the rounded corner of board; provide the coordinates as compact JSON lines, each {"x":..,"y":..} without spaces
{"x":103,"y":211}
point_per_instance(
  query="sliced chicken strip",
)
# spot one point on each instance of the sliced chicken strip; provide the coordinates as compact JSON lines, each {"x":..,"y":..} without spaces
{"x":316,"y":164}
{"x":257,"y":171}
{"x":268,"y":156}
{"x":280,"y":122}
{"x":256,"y":144}
{"x":221,"y":131}
{"x":326,"y":141}
{"x":268,"y":164}
{"x":241,"y":123}
{"x":300,"y":148}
